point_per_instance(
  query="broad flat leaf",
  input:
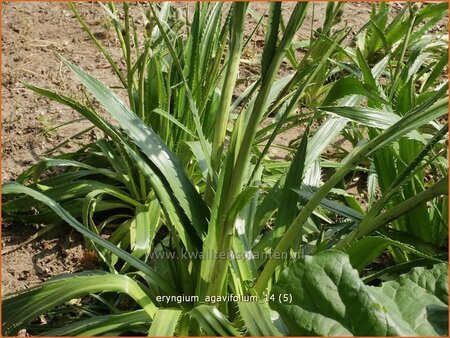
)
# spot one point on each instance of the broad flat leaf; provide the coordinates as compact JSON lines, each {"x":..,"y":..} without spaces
{"x":433,"y":280}
{"x":329,"y":298}
{"x":412,"y":296}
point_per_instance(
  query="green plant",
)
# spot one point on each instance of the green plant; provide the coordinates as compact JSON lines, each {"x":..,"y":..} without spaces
{"x":410,"y":78}
{"x":344,"y":305}
{"x":178,"y":198}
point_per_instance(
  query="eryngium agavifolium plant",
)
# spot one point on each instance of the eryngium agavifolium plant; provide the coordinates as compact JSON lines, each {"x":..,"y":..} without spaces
{"x":199,"y":230}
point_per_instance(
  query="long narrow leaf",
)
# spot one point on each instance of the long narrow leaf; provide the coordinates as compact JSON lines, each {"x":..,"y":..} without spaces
{"x":152,"y":145}
{"x":19,"y":310}
{"x":15,"y":188}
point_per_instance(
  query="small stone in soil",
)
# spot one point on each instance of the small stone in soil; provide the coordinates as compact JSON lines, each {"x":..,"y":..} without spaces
{"x":24,"y":275}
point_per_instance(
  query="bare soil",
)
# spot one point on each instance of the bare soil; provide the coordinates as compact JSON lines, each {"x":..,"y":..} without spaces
{"x":32,"y":34}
